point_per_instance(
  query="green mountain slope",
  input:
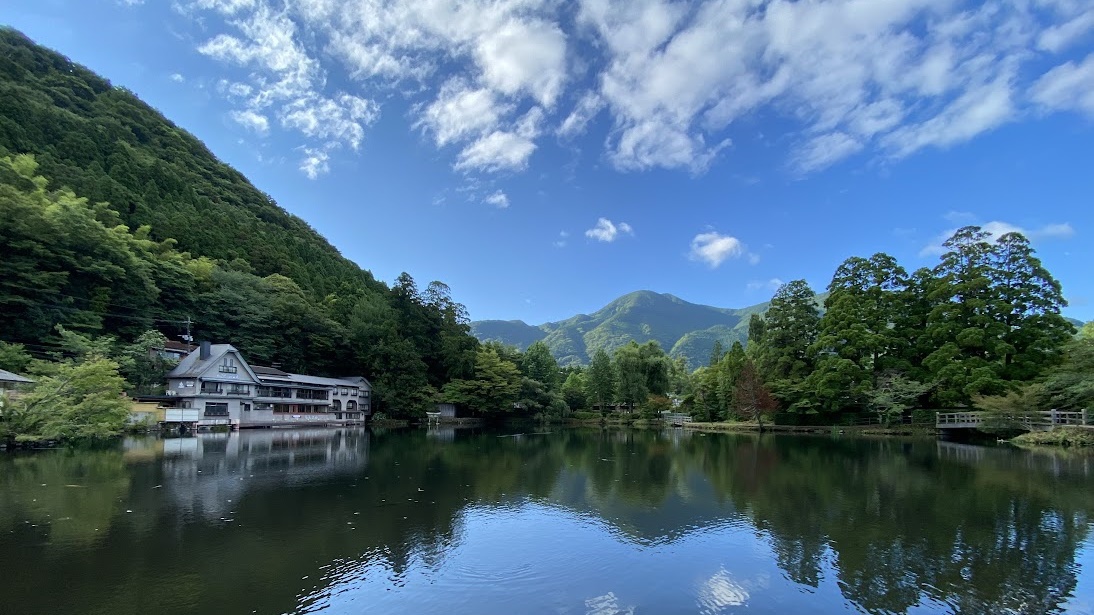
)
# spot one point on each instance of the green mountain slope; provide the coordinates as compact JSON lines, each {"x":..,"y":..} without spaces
{"x":114,"y":221}
{"x":684,"y":329}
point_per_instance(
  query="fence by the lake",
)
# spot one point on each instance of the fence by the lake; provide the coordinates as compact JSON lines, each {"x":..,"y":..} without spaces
{"x":1041,"y":420}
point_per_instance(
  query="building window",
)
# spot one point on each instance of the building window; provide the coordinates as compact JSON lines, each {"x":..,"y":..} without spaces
{"x":320,"y":394}
{"x":212,"y":388}
{"x":246,"y":407}
{"x":364,"y":393}
{"x":228,"y":366}
{"x":351,"y":405}
{"x":216,"y":409}
{"x":337,"y":405}
{"x":344,"y":391}
{"x":239,"y":389}
{"x":353,"y":392}
{"x":273,"y":392}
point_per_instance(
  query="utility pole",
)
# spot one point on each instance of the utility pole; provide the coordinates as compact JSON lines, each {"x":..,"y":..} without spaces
{"x":189,"y":338}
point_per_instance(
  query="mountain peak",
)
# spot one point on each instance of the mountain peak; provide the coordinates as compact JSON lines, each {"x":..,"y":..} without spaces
{"x":682,"y":328}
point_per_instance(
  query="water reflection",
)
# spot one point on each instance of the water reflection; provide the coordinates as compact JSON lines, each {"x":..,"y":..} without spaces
{"x":573,"y":522}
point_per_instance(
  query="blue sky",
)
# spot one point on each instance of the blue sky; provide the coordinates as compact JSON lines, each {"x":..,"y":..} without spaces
{"x":544,"y":157}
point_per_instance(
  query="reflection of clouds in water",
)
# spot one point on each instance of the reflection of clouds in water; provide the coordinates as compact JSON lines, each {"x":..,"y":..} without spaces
{"x":607,"y":604}
{"x":720,"y":591}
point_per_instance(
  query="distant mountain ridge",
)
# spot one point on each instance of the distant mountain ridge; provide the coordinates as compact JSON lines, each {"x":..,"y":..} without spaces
{"x":682,"y":328}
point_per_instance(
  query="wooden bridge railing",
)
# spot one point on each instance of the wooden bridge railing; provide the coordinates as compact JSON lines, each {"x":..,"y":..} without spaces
{"x":1042,"y":419}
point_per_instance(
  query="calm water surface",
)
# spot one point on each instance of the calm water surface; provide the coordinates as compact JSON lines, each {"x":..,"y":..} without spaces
{"x":590,"y":522}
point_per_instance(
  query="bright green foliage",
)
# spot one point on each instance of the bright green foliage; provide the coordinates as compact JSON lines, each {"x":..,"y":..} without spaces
{"x":574,"y":390}
{"x":657,"y":367}
{"x":1070,"y":386}
{"x":756,"y":328}
{"x":892,"y":395}
{"x":14,"y":357}
{"x":601,"y":380}
{"x":494,"y":388}
{"x":538,"y":364}
{"x":1009,"y":412}
{"x":630,"y":369}
{"x":70,"y":401}
{"x":716,"y":353}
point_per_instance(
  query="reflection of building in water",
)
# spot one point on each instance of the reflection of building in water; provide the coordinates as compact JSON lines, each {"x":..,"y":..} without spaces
{"x":443,"y":433}
{"x":209,"y":472}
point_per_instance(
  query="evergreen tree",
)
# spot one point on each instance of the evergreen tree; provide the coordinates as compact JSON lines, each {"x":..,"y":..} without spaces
{"x":631,"y":375}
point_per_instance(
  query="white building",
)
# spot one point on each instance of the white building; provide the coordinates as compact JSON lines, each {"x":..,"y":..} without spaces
{"x":214,"y":385}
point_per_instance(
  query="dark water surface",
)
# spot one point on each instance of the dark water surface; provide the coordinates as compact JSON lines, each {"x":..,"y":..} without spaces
{"x":344,"y":521}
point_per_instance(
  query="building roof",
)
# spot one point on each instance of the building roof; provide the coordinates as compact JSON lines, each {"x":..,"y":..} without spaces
{"x":177,"y":346}
{"x":287,"y":378}
{"x":262,"y":370}
{"x":6,"y":376}
{"x":191,"y":366}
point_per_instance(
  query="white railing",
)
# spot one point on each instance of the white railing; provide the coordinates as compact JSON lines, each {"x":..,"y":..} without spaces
{"x":1041,"y":419}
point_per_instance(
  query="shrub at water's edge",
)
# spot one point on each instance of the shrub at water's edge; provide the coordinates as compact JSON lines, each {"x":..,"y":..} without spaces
{"x":1060,"y":436}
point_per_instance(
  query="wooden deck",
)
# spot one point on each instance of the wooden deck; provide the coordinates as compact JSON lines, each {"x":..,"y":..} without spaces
{"x":1033,"y":421}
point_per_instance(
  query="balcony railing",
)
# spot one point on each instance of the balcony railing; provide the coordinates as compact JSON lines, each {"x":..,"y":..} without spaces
{"x":228,"y":369}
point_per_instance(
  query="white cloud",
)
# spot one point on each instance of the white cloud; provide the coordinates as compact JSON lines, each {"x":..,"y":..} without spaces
{"x":585,"y":110}
{"x":251,"y":121}
{"x":607,"y":231}
{"x":996,"y":229}
{"x":177,"y":78}
{"x":882,"y":78}
{"x":497,"y":151}
{"x":714,"y":248}
{"x":772,"y":285}
{"x":498,"y":199}
{"x":563,"y":236}
{"x":315,"y":163}
{"x":1069,"y":86}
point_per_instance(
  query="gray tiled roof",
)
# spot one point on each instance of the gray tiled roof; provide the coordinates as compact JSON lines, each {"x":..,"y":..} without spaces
{"x":192,"y":366}
{"x":6,"y":376}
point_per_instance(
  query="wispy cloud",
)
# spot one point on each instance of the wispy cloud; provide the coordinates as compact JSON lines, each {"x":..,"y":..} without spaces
{"x":563,"y":236}
{"x":884,"y":79}
{"x":713,"y":248}
{"x":314,"y":163}
{"x":251,"y":120}
{"x":498,"y":199}
{"x":997,"y":229}
{"x":607,"y":231}
{"x":177,"y":78}
{"x":771,"y":285}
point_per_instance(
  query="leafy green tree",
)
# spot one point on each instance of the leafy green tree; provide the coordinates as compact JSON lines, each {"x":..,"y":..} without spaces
{"x":14,"y":357}
{"x":601,"y":380}
{"x":756,"y":328}
{"x":539,"y":364}
{"x":574,"y":391}
{"x":494,"y":389}
{"x":657,"y":366}
{"x":892,"y":395}
{"x":1011,"y":411}
{"x":790,"y":329}
{"x":1070,"y":386}
{"x":631,"y":373}
{"x":70,"y":401}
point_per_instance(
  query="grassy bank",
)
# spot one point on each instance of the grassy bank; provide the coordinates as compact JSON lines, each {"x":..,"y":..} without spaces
{"x":1059,"y":436}
{"x":865,"y":430}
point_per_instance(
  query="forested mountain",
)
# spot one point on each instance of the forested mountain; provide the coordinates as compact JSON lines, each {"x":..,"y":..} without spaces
{"x":684,"y":329}
{"x":114,"y":221}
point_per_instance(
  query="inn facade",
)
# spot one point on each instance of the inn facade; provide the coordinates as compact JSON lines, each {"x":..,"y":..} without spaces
{"x":214,"y":385}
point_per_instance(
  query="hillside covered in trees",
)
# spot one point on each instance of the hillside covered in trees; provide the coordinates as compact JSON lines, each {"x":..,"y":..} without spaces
{"x":683,"y":329}
{"x":114,"y":221}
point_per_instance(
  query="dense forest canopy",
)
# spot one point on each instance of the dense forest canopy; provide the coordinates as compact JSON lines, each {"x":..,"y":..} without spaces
{"x":114,"y":221}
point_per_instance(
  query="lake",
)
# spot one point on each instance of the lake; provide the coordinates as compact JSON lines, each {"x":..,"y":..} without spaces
{"x":574,"y":521}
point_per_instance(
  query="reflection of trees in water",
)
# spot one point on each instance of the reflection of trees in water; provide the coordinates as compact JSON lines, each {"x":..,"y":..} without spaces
{"x":893,"y":522}
{"x":990,"y":537}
